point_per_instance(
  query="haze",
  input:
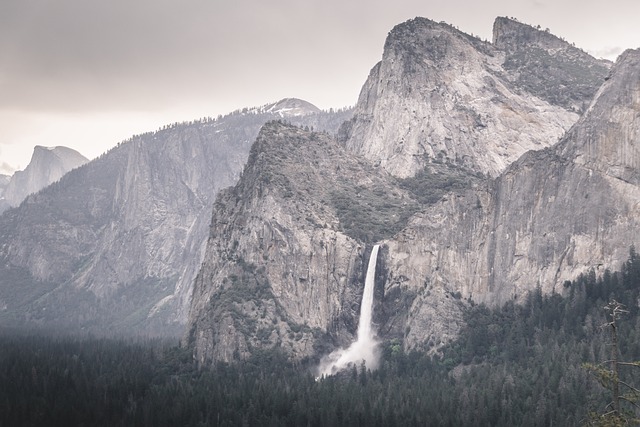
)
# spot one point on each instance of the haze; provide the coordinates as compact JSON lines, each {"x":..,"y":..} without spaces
{"x":88,"y":74}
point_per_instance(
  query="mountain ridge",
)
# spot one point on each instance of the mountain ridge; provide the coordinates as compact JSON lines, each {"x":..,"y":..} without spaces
{"x":478,"y":182}
{"x":489,"y":241}
{"x":47,"y":165}
{"x":548,"y":218}
{"x":116,"y":244}
{"x":440,"y":94}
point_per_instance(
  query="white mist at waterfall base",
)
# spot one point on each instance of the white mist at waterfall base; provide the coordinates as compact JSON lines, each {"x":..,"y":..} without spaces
{"x":365,"y":348}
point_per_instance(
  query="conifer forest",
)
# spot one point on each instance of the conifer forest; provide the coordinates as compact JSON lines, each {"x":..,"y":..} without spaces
{"x":522,"y":364}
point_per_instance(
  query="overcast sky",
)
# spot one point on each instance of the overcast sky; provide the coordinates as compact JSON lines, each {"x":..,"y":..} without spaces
{"x":87,"y":74}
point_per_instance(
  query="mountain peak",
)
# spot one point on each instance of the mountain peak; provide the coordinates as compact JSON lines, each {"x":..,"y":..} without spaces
{"x":47,"y":165}
{"x":440,"y":95}
{"x":291,"y":107}
{"x":510,"y":34}
{"x":546,"y":65}
{"x":434,"y":41}
{"x":66,"y":154}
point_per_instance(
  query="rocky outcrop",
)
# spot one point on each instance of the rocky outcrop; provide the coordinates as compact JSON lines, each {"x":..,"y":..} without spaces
{"x":551,"y":216}
{"x":281,"y":268}
{"x":547,"y":66}
{"x":114,"y":246}
{"x":47,"y":165}
{"x":4,"y":181}
{"x":547,"y":217}
{"x":440,"y":94}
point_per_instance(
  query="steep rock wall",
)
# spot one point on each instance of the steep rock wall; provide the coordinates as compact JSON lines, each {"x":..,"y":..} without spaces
{"x":281,"y":269}
{"x":550,"y":216}
{"x":440,"y":94}
{"x":116,"y":244}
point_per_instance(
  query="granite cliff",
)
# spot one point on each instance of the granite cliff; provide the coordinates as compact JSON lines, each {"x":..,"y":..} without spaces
{"x":114,"y":246}
{"x":441,"y":94}
{"x":434,"y":165}
{"x":484,"y":170}
{"x":277,"y":268}
{"x":47,"y":165}
{"x":551,"y":216}
{"x":285,"y":260}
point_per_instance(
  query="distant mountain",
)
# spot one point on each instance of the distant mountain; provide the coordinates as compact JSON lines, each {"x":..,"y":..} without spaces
{"x":47,"y":165}
{"x":291,"y":107}
{"x":4,"y":181}
{"x":114,"y":246}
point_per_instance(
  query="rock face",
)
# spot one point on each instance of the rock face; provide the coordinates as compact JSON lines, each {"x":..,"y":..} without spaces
{"x":47,"y":165}
{"x":550,"y":216}
{"x":280,"y":268}
{"x":432,"y":166}
{"x":114,"y":246}
{"x":4,"y":181}
{"x":441,"y":94}
{"x":546,"y":65}
{"x":283,"y":266}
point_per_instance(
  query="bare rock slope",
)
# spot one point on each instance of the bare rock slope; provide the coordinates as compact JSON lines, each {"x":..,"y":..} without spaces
{"x":441,"y":94}
{"x":47,"y":165}
{"x":114,"y":246}
{"x":551,"y":216}
{"x":283,"y":266}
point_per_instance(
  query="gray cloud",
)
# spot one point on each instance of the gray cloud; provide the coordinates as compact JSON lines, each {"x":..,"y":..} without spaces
{"x":75,"y":58}
{"x":6,"y":169}
{"x":75,"y":55}
{"x":609,"y":52}
{"x":104,"y":52}
{"x":72,"y":54}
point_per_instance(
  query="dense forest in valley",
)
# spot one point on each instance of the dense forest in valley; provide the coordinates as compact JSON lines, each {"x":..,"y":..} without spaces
{"x":521,"y":364}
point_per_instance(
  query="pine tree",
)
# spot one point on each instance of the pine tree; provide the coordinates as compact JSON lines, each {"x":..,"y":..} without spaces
{"x":614,"y":414}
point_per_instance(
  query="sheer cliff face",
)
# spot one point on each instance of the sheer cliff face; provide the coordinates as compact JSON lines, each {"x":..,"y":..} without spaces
{"x":111,"y":246}
{"x":550,"y":216}
{"x":47,"y":165}
{"x":115,"y":245}
{"x":574,"y":206}
{"x":607,"y":137}
{"x":441,"y":94}
{"x":545,"y":65}
{"x":441,"y":99}
{"x":280,"y":270}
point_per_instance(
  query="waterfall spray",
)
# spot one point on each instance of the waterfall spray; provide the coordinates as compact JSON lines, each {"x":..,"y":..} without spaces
{"x":365,"y":348}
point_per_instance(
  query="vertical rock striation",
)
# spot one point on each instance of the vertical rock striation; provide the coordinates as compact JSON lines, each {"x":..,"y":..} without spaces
{"x":550,"y":216}
{"x":282,"y":266}
{"x":115,"y":245}
{"x":441,"y":95}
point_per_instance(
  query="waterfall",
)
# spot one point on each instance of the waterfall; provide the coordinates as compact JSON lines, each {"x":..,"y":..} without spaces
{"x":365,"y":348}
{"x":365,"y":332}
